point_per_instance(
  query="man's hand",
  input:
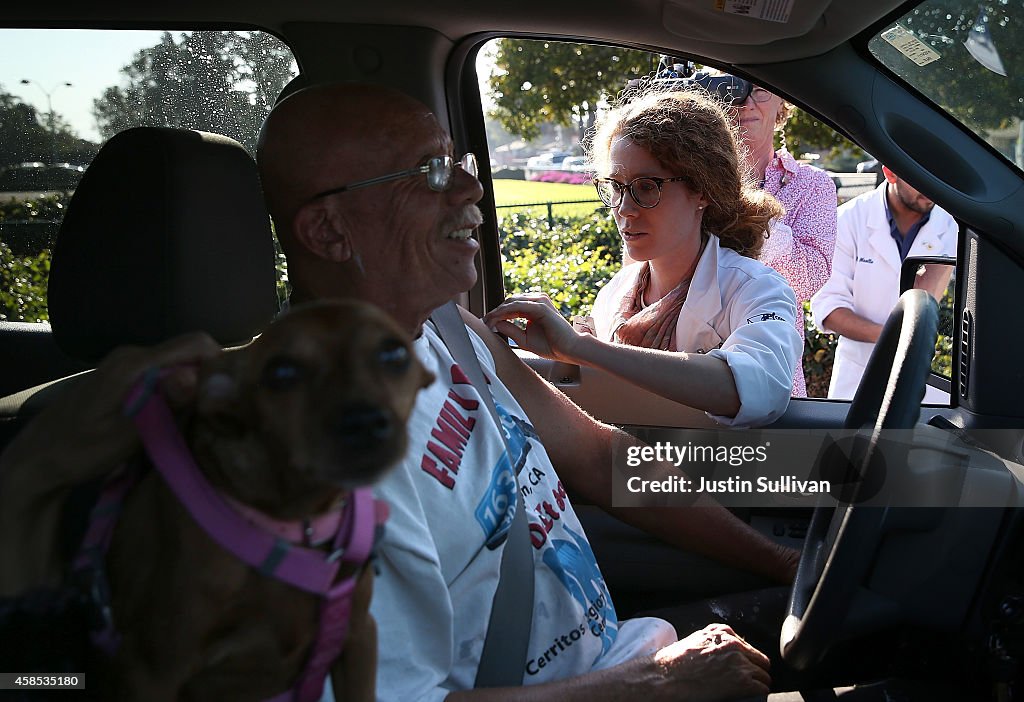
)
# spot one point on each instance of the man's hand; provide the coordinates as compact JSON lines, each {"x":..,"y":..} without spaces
{"x":710,"y":665}
{"x":81,"y":436}
{"x":714,"y":664}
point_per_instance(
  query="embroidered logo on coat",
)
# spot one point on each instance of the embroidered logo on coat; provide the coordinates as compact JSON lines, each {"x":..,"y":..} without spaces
{"x":861,"y":259}
{"x":766,"y":317}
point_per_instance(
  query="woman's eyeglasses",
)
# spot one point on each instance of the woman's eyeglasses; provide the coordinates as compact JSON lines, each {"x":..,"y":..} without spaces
{"x":438,"y":171}
{"x":645,"y":191}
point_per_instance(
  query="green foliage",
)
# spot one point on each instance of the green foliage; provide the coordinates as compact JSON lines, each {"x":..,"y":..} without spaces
{"x":222,"y":82}
{"x":569,"y":262}
{"x":25,"y":135}
{"x":545,"y":81}
{"x":23,"y":285}
{"x":956,"y":81}
{"x":573,"y":260}
{"x":50,"y":208}
{"x":805,"y":132}
{"x":549,"y":81}
{"x":24,"y":274}
{"x":819,"y":355}
{"x":942,"y":363}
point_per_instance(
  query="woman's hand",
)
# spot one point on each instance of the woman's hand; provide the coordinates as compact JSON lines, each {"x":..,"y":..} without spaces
{"x":547,"y":332}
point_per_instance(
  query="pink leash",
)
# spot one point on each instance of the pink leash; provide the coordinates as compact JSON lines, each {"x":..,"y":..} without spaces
{"x":273,"y":547}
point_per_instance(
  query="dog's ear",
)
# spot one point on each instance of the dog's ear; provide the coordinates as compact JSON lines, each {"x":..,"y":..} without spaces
{"x":321,"y":232}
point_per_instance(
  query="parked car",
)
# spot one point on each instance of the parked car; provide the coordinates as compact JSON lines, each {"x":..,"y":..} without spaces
{"x":931,"y":595}
{"x":23,"y":181}
{"x":872,"y":166}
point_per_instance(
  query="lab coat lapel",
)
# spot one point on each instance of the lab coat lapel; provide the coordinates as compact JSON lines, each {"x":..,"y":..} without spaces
{"x":929,"y":240}
{"x":703,"y":304}
{"x":884,"y":249}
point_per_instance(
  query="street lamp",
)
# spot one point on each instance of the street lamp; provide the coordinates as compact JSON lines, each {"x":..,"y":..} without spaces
{"x":49,"y":112}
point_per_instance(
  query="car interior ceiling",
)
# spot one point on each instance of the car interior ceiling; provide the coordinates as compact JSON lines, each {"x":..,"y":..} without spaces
{"x":428,"y":50}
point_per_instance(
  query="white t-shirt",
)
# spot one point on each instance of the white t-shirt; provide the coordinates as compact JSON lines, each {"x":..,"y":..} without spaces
{"x":451,"y":504}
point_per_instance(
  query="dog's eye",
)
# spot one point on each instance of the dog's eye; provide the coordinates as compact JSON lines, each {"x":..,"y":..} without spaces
{"x":282,"y":373}
{"x":393,"y":355}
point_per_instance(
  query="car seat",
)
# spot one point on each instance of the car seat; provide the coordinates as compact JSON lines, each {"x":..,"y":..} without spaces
{"x":167,"y":233}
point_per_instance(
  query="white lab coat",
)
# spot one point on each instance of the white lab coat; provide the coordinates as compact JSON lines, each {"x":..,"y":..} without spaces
{"x":739,"y":310}
{"x":866,"y":278}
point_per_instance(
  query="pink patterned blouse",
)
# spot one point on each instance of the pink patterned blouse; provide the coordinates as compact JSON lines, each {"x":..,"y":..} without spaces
{"x":801,"y":250}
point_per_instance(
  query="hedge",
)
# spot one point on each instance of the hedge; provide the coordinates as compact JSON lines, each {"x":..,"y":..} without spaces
{"x":570,"y":259}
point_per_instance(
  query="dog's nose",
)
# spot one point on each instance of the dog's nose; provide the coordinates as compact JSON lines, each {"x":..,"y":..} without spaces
{"x":363,"y":426}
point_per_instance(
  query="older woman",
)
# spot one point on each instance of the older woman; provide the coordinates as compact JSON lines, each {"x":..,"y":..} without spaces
{"x":697,"y":318}
{"x":801,"y":244}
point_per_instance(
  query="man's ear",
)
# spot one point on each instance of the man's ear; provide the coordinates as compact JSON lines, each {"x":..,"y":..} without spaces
{"x":321,"y":233}
{"x":889,"y":175}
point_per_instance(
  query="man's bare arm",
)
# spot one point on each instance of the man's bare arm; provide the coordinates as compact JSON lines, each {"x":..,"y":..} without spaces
{"x":583,"y":450}
{"x":710,"y":664}
{"x":846,"y":322}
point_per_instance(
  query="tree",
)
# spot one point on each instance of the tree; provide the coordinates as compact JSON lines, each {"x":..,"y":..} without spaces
{"x":549,"y":81}
{"x":222,"y":82}
{"x":25,"y":137}
{"x":958,"y":81}
{"x":540,"y":81}
{"x":804,"y":132}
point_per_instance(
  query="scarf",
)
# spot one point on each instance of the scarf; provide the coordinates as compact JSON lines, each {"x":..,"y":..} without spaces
{"x":654,"y":326}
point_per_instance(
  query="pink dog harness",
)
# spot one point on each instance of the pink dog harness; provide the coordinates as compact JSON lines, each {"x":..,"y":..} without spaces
{"x":275,"y":548}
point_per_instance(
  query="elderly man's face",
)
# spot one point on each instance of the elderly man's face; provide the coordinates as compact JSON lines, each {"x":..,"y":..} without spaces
{"x":412,"y":244}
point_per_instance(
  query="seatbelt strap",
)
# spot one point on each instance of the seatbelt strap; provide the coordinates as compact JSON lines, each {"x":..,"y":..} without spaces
{"x":508,"y":630}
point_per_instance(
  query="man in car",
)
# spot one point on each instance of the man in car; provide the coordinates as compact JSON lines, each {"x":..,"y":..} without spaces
{"x":875,"y":233}
{"x":358,"y":217}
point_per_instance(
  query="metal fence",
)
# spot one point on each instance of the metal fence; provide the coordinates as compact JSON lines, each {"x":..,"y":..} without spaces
{"x":549,"y":207}
{"x":848,"y":186}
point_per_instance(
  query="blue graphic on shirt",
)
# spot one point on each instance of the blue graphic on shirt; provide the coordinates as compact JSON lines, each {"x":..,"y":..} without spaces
{"x":575,"y":565}
{"x":497,"y":507}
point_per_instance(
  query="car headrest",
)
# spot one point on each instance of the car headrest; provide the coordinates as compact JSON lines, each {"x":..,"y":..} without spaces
{"x":166,"y":233}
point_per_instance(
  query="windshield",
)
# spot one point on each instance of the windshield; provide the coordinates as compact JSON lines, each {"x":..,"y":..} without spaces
{"x":967,"y":58}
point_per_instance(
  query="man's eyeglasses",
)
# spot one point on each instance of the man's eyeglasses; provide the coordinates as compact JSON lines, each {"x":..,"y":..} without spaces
{"x":646,"y":191}
{"x":438,"y":171}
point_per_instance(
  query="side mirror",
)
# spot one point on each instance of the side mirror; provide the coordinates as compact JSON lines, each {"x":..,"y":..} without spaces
{"x":931,"y":273}
{"x":936,"y":274}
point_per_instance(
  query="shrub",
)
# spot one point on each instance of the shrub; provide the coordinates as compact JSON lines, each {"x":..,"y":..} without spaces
{"x":27,"y":226}
{"x":569,"y":261}
{"x":23,"y":285}
{"x":574,"y":257}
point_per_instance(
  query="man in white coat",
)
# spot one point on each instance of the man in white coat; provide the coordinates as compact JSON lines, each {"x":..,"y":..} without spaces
{"x":876,"y":232}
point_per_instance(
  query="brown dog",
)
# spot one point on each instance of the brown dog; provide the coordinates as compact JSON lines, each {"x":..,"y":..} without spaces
{"x":288,"y":425}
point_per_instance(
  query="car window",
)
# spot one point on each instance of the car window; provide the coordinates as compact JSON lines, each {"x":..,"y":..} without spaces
{"x":57,"y":110}
{"x":966,"y":58}
{"x":540,"y":98}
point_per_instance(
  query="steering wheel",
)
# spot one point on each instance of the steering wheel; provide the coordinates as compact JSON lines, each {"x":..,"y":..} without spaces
{"x":841,"y":541}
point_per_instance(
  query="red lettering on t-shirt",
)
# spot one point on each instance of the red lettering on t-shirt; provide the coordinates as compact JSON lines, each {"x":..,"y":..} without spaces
{"x":452,"y":430}
{"x":429,"y":466}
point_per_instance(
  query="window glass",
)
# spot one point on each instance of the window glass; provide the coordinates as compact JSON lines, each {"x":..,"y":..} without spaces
{"x":64,"y":92}
{"x":541,"y":99}
{"x":965,"y":57}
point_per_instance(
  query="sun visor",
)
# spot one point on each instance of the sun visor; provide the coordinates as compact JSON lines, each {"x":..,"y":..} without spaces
{"x":747,"y":22}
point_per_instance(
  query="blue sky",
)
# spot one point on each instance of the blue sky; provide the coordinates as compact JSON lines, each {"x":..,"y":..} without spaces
{"x":88,"y":59}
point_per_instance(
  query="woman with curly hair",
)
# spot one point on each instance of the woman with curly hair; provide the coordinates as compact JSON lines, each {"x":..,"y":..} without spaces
{"x":697,"y":318}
